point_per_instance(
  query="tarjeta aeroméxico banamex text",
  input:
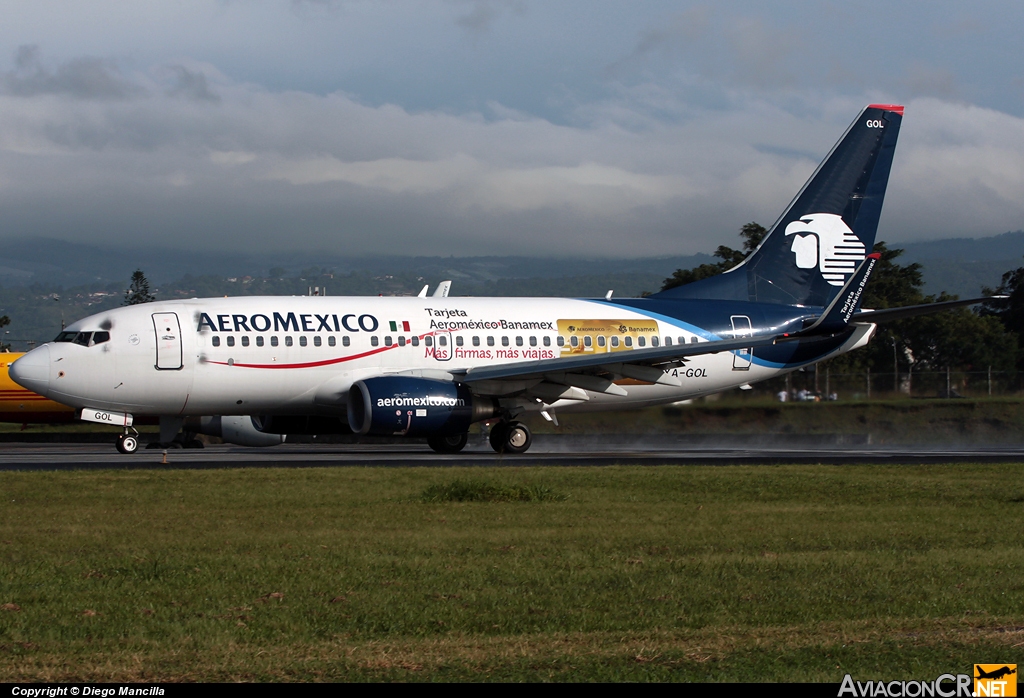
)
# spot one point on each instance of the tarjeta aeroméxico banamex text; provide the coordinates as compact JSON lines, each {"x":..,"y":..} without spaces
{"x":431,"y":367}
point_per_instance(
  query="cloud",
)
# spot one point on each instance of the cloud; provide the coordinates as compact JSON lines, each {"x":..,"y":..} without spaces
{"x":483,"y":13}
{"x":642,"y":171}
{"x":81,"y":78}
{"x":191,"y":85}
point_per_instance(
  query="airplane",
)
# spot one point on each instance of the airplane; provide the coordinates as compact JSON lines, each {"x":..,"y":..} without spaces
{"x":432,"y":366}
{"x":22,"y":406}
{"x":995,"y":673}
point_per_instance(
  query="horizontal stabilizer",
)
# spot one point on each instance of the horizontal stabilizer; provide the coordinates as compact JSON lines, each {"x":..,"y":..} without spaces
{"x":890,"y":314}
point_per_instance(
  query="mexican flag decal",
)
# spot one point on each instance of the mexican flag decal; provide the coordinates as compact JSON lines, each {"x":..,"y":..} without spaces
{"x":403,"y":323}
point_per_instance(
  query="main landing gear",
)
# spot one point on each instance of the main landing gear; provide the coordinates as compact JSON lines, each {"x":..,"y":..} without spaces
{"x":510,"y":437}
{"x":448,"y":444}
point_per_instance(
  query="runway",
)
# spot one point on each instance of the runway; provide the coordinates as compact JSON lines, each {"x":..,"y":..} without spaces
{"x":547,"y":451}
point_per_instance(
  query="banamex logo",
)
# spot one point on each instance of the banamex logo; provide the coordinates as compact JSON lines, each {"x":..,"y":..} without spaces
{"x":823,"y":240}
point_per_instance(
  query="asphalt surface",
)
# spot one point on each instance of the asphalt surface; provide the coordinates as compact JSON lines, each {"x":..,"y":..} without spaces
{"x":546,"y":451}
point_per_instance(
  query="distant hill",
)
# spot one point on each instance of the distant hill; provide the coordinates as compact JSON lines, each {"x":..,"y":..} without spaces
{"x":964,"y":265}
{"x":43,"y":280}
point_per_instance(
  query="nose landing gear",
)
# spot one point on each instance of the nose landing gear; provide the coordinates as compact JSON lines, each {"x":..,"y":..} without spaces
{"x":128,"y":443}
{"x":510,"y":437}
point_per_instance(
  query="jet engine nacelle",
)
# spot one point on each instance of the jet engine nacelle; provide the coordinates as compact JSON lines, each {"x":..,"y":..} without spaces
{"x":413,"y":406}
{"x":238,"y":430}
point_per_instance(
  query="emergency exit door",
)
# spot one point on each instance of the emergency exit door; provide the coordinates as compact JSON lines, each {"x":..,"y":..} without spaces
{"x":168,"y":341}
{"x":741,"y":357}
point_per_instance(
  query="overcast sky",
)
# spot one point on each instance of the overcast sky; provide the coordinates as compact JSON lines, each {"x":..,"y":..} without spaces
{"x":473,"y":127}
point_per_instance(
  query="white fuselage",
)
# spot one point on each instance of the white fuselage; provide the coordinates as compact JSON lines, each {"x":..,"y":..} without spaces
{"x":300,"y":355}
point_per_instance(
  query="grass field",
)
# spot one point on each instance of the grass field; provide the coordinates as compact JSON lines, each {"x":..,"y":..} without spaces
{"x":619,"y":573}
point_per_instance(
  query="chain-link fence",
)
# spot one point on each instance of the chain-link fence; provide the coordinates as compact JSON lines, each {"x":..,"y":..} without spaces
{"x":821,"y":383}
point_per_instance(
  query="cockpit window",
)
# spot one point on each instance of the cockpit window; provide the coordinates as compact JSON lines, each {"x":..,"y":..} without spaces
{"x":86,"y":339}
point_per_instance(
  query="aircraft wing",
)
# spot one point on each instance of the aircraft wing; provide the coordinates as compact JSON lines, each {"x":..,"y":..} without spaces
{"x":582,"y":371}
{"x":889,"y":314}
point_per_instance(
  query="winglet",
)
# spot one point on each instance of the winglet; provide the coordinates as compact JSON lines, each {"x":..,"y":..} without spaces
{"x":838,"y":313}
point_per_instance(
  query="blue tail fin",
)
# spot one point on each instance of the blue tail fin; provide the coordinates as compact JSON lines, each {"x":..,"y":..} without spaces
{"x":827,"y":230}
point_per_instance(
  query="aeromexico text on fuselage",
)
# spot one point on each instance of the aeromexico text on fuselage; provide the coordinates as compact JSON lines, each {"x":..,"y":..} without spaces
{"x":349,"y":322}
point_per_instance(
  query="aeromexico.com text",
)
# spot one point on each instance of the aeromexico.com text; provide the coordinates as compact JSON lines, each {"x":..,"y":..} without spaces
{"x":429,"y":401}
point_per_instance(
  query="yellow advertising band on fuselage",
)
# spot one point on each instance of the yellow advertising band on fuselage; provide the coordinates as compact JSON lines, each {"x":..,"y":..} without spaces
{"x":605,"y":336}
{"x":23,"y":406}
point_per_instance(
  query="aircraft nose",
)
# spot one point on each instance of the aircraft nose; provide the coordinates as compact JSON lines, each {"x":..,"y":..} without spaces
{"x":32,"y":371}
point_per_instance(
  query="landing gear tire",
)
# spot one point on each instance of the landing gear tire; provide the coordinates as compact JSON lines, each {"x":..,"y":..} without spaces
{"x":510,"y":437}
{"x":448,"y":444}
{"x":127,"y":443}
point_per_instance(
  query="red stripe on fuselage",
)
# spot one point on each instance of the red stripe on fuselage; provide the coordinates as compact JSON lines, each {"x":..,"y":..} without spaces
{"x":309,"y":364}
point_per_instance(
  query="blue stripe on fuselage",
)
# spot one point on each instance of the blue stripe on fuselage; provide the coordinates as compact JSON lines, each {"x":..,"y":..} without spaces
{"x":711,"y":320}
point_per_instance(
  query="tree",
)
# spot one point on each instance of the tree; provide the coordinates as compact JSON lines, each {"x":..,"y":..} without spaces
{"x":1011,"y":311}
{"x":138,"y":292}
{"x":752,"y":234}
{"x":4,"y":322}
{"x":959,"y":339}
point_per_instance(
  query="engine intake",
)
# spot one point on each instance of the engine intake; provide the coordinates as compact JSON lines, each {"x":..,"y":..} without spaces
{"x":414,"y":407}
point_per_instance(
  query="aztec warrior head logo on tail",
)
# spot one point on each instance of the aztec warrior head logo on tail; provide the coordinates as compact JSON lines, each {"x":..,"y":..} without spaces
{"x":824,"y":240}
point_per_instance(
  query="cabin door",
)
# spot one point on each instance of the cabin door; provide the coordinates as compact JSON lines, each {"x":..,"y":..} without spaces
{"x":168,"y":341}
{"x":741,"y":357}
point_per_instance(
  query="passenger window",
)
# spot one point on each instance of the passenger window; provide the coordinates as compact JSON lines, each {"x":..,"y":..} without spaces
{"x":442,"y":341}
{"x":83,"y":338}
{"x":332,"y":341}
{"x":519,"y":341}
{"x":259,"y":340}
{"x":387,"y":341}
{"x":694,"y":339}
{"x":273,"y":341}
{"x":303,"y":341}
{"x":231,"y":340}
{"x":641,"y":341}
{"x":504,"y":341}
{"x":561,"y":341}
{"x":346,"y":341}
{"x":628,"y":341}
{"x":476,"y":341}
{"x":668,"y":341}
{"x":654,"y":341}
{"x":588,"y":341}
{"x":245,"y":340}
{"x":215,"y":341}
{"x":615,"y":342}
{"x":288,"y":341}
{"x":374,"y":341}
{"x":401,"y":341}
{"x":601,"y":341}
{"x":574,"y":340}
{"x":415,"y":341}
{"x":547,"y":341}
{"x":490,"y":341}
{"x":533,"y":341}
{"x":459,"y":341}
{"x":318,"y":341}
{"x":428,"y":341}
{"x":100,"y":337}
